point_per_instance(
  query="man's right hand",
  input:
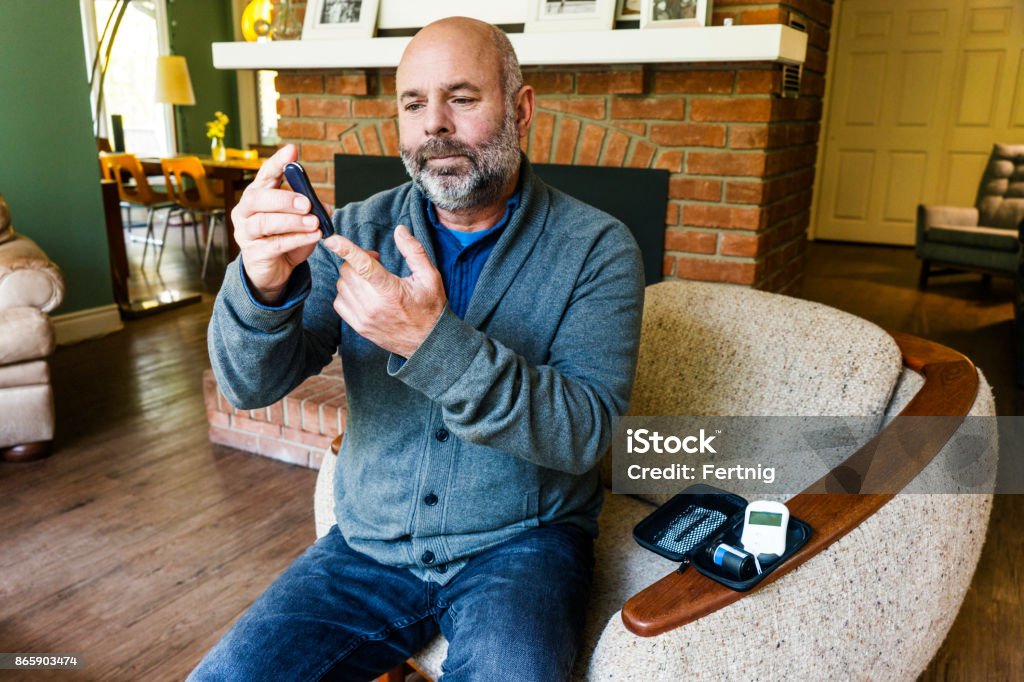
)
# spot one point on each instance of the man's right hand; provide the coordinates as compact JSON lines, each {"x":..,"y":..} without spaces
{"x":274,"y":229}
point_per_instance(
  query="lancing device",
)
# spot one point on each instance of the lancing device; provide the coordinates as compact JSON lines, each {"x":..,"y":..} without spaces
{"x":296,"y":176}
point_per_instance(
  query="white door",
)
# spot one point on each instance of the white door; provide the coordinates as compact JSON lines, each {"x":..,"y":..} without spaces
{"x":920,"y":91}
{"x":988,"y":95}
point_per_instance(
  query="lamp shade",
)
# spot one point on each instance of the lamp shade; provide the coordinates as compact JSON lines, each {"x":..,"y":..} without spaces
{"x":173,"y":85}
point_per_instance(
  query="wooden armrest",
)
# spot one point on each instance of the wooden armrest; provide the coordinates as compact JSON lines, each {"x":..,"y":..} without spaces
{"x":949,"y":390}
{"x":336,"y":444}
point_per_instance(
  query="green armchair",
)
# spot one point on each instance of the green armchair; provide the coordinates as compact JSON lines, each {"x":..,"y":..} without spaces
{"x":983,"y":237}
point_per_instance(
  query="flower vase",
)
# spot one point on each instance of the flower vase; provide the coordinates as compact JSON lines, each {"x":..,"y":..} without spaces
{"x":217,"y":152}
{"x":286,"y":25}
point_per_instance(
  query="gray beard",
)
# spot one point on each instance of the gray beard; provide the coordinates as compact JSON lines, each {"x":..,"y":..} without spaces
{"x":492,"y":166}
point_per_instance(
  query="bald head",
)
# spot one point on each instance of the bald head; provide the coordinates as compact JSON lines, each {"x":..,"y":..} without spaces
{"x":457,"y":28}
{"x":470,"y":39}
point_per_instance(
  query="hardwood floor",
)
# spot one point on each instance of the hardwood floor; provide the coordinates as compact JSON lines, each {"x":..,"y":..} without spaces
{"x":880,"y":284}
{"x":181,"y":263}
{"x":139,"y":542}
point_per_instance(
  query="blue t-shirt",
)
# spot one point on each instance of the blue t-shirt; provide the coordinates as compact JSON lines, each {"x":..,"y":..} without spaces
{"x":462,"y":255}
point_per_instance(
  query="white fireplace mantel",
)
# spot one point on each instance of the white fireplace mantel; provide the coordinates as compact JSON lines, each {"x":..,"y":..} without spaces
{"x":760,"y":43}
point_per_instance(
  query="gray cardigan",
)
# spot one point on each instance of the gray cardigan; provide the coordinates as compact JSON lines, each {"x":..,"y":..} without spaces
{"x":496,"y":423}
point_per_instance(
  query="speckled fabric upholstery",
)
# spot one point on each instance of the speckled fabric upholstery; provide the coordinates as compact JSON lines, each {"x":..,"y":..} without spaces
{"x":716,"y":349}
{"x":908,"y":384}
{"x":323,"y":496}
{"x":843,"y":614}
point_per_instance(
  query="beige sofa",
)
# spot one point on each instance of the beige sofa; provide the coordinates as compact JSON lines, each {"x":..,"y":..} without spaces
{"x":30,"y":287}
{"x":874,"y":605}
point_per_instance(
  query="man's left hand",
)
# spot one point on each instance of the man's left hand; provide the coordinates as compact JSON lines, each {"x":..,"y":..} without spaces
{"x":396,"y":313}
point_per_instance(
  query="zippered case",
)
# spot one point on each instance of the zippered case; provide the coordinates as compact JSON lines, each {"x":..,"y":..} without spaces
{"x":691,"y":524}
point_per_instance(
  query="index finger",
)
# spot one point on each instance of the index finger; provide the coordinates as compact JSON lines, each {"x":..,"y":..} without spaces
{"x":364,"y":265}
{"x":270,"y":173}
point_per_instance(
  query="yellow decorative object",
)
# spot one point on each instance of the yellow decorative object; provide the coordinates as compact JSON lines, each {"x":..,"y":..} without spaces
{"x":215,"y":130}
{"x":256,"y":19}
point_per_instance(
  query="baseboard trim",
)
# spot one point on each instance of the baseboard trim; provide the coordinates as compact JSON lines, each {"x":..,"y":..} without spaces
{"x":87,"y":324}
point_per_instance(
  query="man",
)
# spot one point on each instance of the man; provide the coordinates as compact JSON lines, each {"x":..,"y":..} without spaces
{"x":487,"y":341}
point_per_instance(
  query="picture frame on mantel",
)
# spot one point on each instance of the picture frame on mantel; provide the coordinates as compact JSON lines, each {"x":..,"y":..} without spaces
{"x":407,"y":14}
{"x":570,"y":15}
{"x":340,"y":19}
{"x":629,"y":10}
{"x":675,"y":13}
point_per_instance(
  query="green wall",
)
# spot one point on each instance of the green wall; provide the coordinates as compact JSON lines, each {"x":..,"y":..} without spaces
{"x":193,"y":26}
{"x":48,"y":168}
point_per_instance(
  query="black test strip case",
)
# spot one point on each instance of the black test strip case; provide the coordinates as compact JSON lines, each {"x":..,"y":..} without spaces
{"x":701,"y":517}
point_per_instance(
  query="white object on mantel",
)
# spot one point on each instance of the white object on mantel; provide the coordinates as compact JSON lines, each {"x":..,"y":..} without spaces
{"x":760,"y":43}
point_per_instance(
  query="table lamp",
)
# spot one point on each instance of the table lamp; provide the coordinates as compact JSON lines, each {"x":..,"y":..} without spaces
{"x":173,"y":85}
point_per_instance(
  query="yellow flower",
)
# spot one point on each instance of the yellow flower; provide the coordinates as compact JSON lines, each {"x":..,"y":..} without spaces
{"x":216,"y":127}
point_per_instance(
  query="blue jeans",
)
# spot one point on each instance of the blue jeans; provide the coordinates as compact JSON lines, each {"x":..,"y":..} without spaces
{"x":514,"y":612}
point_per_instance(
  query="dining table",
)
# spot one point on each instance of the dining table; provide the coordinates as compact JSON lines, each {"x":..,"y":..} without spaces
{"x":235,"y":175}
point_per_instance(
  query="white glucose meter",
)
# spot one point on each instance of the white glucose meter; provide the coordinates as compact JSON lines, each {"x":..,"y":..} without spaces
{"x":764,"y":528}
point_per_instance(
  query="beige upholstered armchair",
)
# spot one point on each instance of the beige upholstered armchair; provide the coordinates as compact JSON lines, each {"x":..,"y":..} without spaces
{"x":30,"y":287}
{"x":984,"y":236}
{"x":838,"y":609}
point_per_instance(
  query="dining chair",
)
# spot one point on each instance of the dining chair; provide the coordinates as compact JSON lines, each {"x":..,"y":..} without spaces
{"x":248,"y":154}
{"x":234,"y":154}
{"x":133,"y":188}
{"x":264,"y":150}
{"x":103,"y":147}
{"x":189,"y":186}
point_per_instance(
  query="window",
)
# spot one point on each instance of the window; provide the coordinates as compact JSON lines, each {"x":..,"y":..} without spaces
{"x":130,"y":81}
{"x":267,"y":97}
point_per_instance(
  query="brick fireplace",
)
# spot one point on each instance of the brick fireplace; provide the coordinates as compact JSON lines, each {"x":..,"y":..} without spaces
{"x":740,"y":154}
